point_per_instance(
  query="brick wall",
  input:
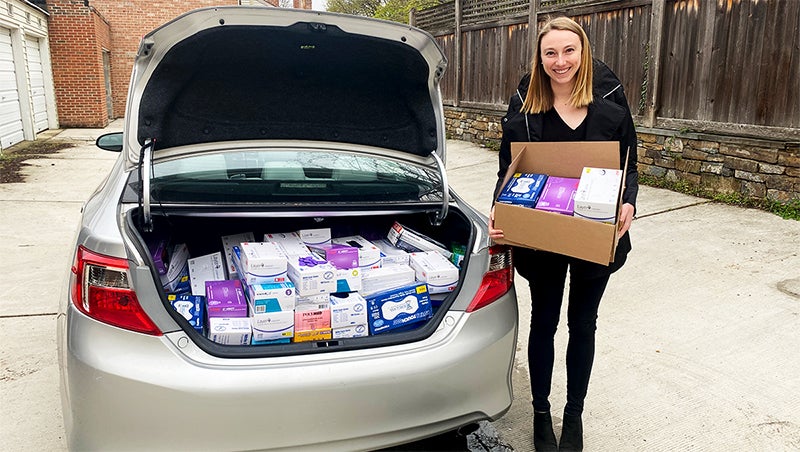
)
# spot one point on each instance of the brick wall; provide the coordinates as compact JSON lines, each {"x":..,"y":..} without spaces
{"x":756,"y":168}
{"x":77,"y":37}
{"x":130,"y":20}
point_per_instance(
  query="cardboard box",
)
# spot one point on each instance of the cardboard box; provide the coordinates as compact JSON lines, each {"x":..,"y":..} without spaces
{"x":386,"y":277}
{"x":558,"y":195}
{"x":205,"y":268}
{"x":158,"y":251}
{"x":523,"y":189}
{"x":311,"y":237}
{"x":434,"y":269}
{"x":531,"y":228}
{"x":348,"y":280}
{"x":191,"y":307}
{"x":324,"y":334}
{"x":273,"y":297}
{"x":229,"y":331}
{"x":312,"y":320}
{"x":369,"y":256}
{"x":397,"y":308}
{"x":228,"y":242}
{"x":290,"y":242}
{"x":260,"y":262}
{"x":348,"y":309}
{"x":225,"y":299}
{"x":317,"y":302}
{"x":272,"y":326}
{"x":350,"y":331}
{"x":412,"y":241}
{"x":176,"y":280}
{"x":391,"y":254}
{"x":598,"y":194}
{"x":340,"y":256}
{"x":311,"y":275}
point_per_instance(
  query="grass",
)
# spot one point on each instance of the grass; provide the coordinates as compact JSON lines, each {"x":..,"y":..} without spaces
{"x":787,"y":210}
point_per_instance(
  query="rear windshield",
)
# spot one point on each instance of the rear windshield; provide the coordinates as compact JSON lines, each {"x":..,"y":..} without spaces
{"x":291,"y":176}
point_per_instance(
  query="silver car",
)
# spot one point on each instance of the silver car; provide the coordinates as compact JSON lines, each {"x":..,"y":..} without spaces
{"x":264,"y":121}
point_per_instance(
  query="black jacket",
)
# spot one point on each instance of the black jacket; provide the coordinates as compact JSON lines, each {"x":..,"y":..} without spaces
{"x":608,"y":119}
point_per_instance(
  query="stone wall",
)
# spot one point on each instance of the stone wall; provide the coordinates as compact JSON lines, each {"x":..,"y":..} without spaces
{"x":721,"y":164}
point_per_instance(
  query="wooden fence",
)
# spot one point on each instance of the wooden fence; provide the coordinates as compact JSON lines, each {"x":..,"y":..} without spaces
{"x":727,"y":67}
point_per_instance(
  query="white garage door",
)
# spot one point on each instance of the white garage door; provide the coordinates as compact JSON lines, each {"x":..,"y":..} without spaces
{"x":10,"y":114}
{"x":36,"y":81}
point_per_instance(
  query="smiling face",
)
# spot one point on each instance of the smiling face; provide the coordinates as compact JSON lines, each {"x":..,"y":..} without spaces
{"x":560,"y":52}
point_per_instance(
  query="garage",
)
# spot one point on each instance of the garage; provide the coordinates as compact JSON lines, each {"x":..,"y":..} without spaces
{"x":27,"y":95}
{"x":11,"y":130}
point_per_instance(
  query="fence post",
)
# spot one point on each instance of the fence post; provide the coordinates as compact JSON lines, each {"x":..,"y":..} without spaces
{"x":457,"y":53}
{"x":533,"y":26}
{"x":654,"y":61}
{"x":412,"y":17}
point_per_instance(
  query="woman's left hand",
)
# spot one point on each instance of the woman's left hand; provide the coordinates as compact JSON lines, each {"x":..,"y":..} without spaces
{"x":625,"y":218}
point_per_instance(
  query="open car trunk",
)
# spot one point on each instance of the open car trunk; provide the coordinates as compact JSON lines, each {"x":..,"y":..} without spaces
{"x":202,"y":234}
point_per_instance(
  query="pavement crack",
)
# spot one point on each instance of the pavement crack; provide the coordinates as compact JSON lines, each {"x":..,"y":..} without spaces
{"x":17,"y":316}
{"x":672,"y":209}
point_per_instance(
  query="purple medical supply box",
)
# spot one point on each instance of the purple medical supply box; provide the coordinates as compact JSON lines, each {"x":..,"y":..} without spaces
{"x":225,"y":299}
{"x":558,"y":195}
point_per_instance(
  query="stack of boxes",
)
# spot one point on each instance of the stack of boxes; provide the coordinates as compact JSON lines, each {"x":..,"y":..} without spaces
{"x":307,"y":286}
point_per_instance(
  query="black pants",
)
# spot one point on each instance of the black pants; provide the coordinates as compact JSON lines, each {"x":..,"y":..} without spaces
{"x":546,"y":274}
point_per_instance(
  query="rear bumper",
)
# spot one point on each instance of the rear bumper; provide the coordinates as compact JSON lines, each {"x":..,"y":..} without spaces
{"x":127,"y":391}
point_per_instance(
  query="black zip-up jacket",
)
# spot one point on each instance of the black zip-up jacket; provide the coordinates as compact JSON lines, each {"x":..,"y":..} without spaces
{"x":608,"y":119}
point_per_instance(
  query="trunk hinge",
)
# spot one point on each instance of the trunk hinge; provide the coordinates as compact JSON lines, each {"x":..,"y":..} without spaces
{"x":445,"y":191}
{"x":145,"y":173}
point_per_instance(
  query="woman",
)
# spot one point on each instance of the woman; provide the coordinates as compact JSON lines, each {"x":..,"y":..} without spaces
{"x":559,"y":105}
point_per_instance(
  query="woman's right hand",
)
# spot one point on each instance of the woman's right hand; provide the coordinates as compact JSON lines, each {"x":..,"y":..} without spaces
{"x":494,"y":234}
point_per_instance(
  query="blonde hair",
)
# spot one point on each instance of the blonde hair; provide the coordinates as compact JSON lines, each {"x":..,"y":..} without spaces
{"x":540,"y":93}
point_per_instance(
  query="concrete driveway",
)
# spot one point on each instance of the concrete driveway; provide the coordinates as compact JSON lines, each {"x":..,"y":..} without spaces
{"x":697,"y":337}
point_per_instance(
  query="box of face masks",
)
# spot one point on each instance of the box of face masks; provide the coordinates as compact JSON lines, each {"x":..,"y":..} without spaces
{"x":523,"y":189}
{"x":398,"y":307}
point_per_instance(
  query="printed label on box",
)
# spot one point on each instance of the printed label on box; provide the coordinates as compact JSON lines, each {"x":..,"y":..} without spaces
{"x":225,"y":299}
{"x":191,"y":307}
{"x":396,"y":308}
{"x":228,"y":242}
{"x":229,"y":331}
{"x":369,"y":255}
{"x":272,"y":325}
{"x":348,"y":310}
{"x":205,"y":268}
{"x":271,"y":297}
{"x":433,"y":268}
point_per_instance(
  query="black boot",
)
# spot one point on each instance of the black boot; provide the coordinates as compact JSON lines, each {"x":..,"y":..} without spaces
{"x":543,"y":437}
{"x":571,"y":434}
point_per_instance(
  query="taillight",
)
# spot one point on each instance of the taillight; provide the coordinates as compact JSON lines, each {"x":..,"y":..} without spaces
{"x":498,"y":280}
{"x":100,"y":289}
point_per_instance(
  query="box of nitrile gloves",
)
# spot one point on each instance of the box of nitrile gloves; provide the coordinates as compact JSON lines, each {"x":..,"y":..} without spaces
{"x":229,"y":330}
{"x":369,"y":256}
{"x":398,"y":307}
{"x":273,"y":297}
{"x":589,"y":240}
{"x":260,"y":262}
{"x":225,"y":299}
{"x":176,"y":280}
{"x":205,"y":268}
{"x":191,"y":307}
{"x":412,"y":241}
{"x":523,"y":189}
